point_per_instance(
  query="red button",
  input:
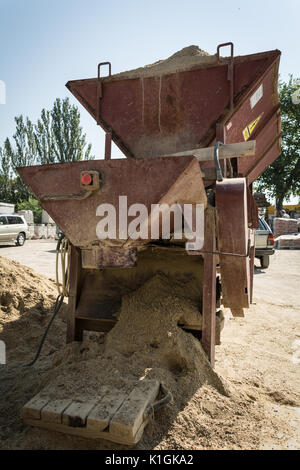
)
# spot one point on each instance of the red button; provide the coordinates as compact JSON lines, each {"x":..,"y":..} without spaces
{"x":86,"y":178}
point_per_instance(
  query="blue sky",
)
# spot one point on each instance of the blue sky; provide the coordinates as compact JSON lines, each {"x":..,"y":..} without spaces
{"x":44,"y":43}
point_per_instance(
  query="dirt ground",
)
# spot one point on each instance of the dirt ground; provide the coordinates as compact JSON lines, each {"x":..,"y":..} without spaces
{"x":252,"y":400}
{"x":262,"y":350}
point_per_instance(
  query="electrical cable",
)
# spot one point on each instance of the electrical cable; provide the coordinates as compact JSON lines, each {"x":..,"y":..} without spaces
{"x":63,"y":247}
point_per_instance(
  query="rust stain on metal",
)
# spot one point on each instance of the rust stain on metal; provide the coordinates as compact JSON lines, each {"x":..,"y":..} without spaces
{"x":106,"y":257}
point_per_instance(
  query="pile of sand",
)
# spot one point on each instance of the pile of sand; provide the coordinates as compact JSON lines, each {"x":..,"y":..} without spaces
{"x":26,"y":300}
{"x":185,"y":59}
{"x":146,"y":342}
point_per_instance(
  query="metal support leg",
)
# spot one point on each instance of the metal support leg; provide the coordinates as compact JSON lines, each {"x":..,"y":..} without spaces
{"x":209,"y":288}
{"x":74,"y":333}
{"x":108,"y":146}
{"x":251,"y":262}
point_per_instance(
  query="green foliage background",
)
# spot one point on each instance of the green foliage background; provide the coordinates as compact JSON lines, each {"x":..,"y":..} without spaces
{"x":281,"y":180}
{"x":56,"y":137}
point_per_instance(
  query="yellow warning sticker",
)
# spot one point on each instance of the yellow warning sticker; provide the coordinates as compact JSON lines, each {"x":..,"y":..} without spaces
{"x":250,"y":128}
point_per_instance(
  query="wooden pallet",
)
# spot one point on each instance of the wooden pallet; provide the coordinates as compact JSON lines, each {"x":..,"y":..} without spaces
{"x":112,"y":415}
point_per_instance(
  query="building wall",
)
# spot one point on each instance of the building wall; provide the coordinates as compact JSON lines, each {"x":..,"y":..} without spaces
{"x":6,"y":208}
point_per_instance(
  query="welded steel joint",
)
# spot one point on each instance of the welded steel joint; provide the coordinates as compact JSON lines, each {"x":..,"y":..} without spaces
{"x":217,"y":161}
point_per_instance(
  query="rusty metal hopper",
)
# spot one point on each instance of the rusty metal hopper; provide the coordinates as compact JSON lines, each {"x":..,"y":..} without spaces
{"x":146,"y":181}
{"x":157,"y":112}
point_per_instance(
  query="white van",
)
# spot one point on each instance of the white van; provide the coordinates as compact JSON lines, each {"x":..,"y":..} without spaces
{"x":13,"y":227}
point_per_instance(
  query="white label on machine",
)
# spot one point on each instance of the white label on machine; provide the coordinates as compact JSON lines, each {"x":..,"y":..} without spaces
{"x":256,"y":96}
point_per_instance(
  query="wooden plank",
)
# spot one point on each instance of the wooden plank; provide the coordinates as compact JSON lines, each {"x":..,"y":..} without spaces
{"x":76,"y":414}
{"x":89,"y":419}
{"x":32,"y":409}
{"x":53,"y":411}
{"x":209,"y":288}
{"x":240,"y":149}
{"x":101,"y":415}
{"x":84,"y":432}
{"x":129,"y":418}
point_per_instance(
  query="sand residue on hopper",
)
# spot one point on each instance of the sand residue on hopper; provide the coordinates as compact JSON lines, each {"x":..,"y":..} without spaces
{"x":186,"y":58}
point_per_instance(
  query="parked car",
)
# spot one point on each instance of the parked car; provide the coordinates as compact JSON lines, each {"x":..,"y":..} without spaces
{"x":13,"y":228}
{"x":264,"y":243}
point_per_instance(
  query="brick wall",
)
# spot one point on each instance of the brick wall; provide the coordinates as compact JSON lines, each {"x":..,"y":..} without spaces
{"x":283,"y":226}
{"x":288,"y":241}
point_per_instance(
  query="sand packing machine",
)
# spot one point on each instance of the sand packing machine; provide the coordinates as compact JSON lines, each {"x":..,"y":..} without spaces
{"x":198,"y":134}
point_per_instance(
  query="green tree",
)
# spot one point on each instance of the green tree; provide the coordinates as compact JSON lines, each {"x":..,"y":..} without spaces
{"x":23,"y":153}
{"x":44,"y":138}
{"x":33,"y":205}
{"x":69,"y":142}
{"x":282,"y":179}
{"x":6,"y":182}
{"x":56,"y":137}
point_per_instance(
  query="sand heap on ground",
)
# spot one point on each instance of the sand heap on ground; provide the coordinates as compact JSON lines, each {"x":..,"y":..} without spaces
{"x":25,"y":303}
{"x":146,"y":343}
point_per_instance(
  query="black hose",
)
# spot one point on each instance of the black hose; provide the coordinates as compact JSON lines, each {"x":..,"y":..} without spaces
{"x":58,"y":304}
{"x":151,"y":409}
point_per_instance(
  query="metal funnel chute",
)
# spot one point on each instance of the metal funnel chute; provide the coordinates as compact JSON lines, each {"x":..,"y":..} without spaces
{"x":152,"y":112}
{"x":145,"y":181}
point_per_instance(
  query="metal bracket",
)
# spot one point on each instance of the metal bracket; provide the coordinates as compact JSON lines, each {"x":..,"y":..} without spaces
{"x":109,"y":68}
{"x":230,"y":68}
{"x":99,"y":87}
{"x":217,"y":162}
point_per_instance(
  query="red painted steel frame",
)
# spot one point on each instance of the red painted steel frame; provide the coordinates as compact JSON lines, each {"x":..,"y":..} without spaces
{"x":74,"y":333}
{"x":233,"y":237}
{"x":209,"y":288}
